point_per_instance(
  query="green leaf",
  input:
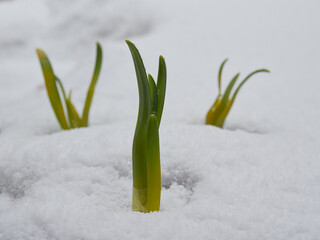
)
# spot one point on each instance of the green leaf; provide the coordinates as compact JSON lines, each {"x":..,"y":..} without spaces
{"x":153,"y":95}
{"x":231,"y":101}
{"x":211,"y":115}
{"x":153,"y":166}
{"x":62,"y":88}
{"x":220,"y":75}
{"x":65,"y":100}
{"x":225,"y":98}
{"x":219,"y":117}
{"x":246,"y":79}
{"x":139,"y":151}
{"x":161,"y":86}
{"x":96,"y":73}
{"x":53,"y":93}
{"x":74,"y":117}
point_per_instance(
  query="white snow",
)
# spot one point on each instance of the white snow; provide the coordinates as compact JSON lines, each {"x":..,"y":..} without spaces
{"x":259,"y":178}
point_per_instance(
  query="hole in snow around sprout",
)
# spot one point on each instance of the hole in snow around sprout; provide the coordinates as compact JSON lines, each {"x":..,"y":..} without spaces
{"x":180,"y":182}
{"x":15,"y":183}
{"x":250,"y":128}
{"x":123,"y":168}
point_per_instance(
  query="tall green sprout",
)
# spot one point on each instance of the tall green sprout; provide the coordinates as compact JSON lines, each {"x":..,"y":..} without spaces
{"x":146,"y":150}
{"x":219,"y":111}
{"x":53,"y":83}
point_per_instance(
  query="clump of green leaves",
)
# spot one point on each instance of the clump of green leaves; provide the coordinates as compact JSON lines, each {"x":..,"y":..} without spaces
{"x":146,"y":150}
{"x":219,"y":111}
{"x":53,"y":83}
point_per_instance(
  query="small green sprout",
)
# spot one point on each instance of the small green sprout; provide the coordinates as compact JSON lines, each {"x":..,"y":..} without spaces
{"x":145,"y":150}
{"x":52,"y":83}
{"x":219,"y":111}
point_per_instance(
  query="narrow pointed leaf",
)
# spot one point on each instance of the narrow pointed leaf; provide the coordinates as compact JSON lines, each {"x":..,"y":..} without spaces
{"x":161,"y":86}
{"x":153,"y":95}
{"x":153,"y":166}
{"x":96,"y":73}
{"x":211,"y":115}
{"x":231,"y":101}
{"x":246,"y":79}
{"x":226,"y":94}
{"x":223,"y":115}
{"x":74,"y":117}
{"x":66,"y":102}
{"x":61,"y":87}
{"x":139,"y":151}
{"x":220,"y":75}
{"x":219,"y":118}
{"x":53,"y":93}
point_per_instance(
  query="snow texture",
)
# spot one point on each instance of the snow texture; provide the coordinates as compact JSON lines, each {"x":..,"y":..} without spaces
{"x":259,"y":178}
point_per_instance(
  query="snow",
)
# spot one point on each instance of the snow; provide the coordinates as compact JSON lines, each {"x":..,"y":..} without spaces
{"x":258,"y":178}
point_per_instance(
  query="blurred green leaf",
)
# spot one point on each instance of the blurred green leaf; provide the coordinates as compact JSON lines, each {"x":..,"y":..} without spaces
{"x":220,"y":74}
{"x":218,"y":121}
{"x":96,"y":73}
{"x":73,"y":114}
{"x":75,"y":121}
{"x":246,"y":79}
{"x":53,"y":93}
{"x":219,"y":110}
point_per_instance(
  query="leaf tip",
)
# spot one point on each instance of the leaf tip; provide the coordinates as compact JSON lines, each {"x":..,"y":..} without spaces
{"x":224,"y":61}
{"x":40,"y":53}
{"x":129,"y":42}
{"x":98,"y":46}
{"x":161,"y":58}
{"x":262,"y":70}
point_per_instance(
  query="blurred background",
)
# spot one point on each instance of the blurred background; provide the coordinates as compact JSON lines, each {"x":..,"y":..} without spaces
{"x":194,"y":37}
{"x":256,"y":179}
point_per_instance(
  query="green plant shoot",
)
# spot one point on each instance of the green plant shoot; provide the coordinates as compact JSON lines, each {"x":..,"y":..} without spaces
{"x":219,"y":111}
{"x":146,"y":150}
{"x":53,"y":83}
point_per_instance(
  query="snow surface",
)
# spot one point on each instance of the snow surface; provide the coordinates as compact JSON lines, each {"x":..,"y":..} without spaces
{"x":257,"y":179}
